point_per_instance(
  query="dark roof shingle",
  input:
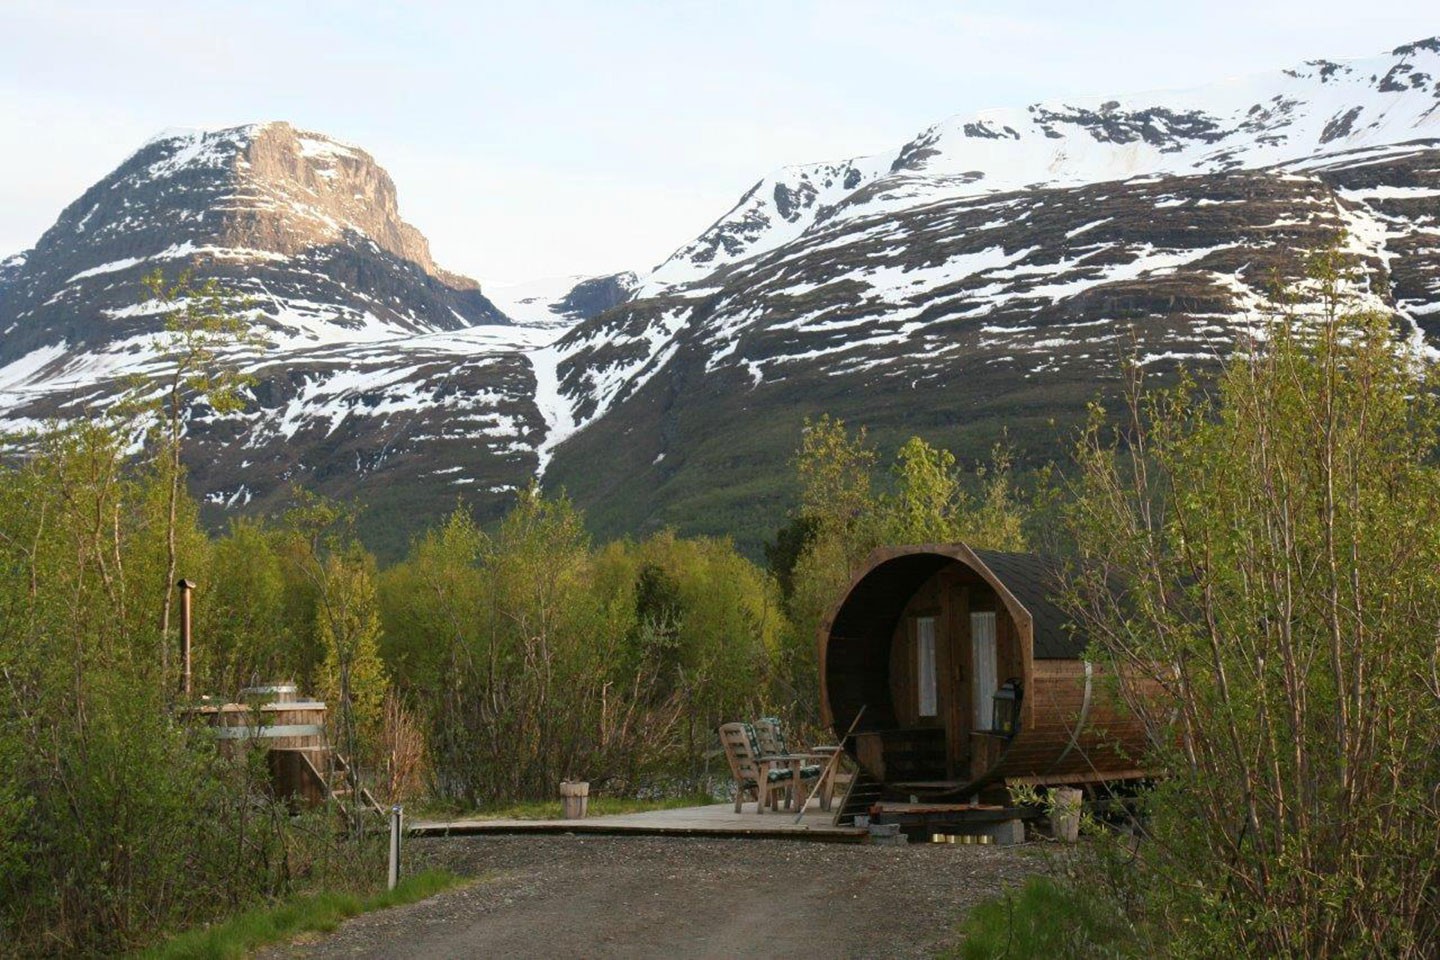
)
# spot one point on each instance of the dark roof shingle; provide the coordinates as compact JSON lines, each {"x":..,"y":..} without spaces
{"x":1036,"y":581}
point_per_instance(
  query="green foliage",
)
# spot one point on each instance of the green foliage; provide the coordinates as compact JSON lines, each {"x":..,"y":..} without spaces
{"x":429,"y":604}
{"x":931,"y":505}
{"x":538,"y":657}
{"x":199,"y":325}
{"x":842,"y":518}
{"x":201,"y":322}
{"x":120,"y":818}
{"x":834,"y":470}
{"x":928,"y":497}
{"x":1279,"y":549}
{"x":246,"y":638}
{"x":1045,"y":918}
{"x":240,"y":936}
{"x":708,"y":625}
{"x":347,"y":619}
{"x":783,"y":553}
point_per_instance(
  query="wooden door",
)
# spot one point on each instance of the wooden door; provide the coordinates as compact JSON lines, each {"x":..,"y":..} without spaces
{"x":953,"y":665}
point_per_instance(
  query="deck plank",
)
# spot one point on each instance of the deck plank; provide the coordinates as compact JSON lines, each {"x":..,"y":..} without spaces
{"x":712,"y":820}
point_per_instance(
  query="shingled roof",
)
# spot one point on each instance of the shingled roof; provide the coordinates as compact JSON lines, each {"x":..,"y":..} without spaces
{"x":1035,"y":581}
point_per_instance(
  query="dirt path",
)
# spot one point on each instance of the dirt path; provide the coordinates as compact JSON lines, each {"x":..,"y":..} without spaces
{"x":640,"y":897}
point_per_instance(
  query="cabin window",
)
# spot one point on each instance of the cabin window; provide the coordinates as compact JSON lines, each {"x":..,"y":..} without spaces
{"x":982,"y":646}
{"x":925,"y":665}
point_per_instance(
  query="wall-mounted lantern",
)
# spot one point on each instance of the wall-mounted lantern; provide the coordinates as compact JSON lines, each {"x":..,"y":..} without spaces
{"x":1005,"y":717}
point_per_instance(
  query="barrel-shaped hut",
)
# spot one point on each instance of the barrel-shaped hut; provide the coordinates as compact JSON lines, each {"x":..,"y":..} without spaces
{"x":969,"y":676}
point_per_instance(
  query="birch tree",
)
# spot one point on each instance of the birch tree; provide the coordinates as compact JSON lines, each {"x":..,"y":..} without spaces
{"x":1268,"y":560}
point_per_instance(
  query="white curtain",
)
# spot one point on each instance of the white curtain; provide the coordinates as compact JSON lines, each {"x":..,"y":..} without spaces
{"x":982,"y":645}
{"x":925,"y":664}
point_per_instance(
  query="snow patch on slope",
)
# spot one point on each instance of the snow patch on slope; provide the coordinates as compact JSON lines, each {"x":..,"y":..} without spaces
{"x":197,"y":148}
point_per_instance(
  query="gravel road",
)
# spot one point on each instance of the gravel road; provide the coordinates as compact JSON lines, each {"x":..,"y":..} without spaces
{"x":642,"y":897}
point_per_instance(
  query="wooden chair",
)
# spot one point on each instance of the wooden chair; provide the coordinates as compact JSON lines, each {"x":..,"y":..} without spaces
{"x":770,"y":734}
{"x":754,"y":774}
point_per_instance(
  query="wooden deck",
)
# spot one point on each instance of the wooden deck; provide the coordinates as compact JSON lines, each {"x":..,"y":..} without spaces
{"x":713,"y":820}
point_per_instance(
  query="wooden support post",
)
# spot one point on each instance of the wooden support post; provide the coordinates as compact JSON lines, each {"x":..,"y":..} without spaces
{"x":1065,"y":814}
{"x":575,"y":798}
{"x":397,"y":815}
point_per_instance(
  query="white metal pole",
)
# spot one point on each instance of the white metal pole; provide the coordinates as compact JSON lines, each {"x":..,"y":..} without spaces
{"x":397,"y":814}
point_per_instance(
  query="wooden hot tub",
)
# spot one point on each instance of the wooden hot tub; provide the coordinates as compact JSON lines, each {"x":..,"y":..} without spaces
{"x":289,"y":729}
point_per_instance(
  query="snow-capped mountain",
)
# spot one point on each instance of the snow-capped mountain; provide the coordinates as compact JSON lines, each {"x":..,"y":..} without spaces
{"x":985,"y":276}
{"x":304,"y":225}
{"x":374,"y":358}
{"x":989,"y":274}
{"x":1317,"y":109}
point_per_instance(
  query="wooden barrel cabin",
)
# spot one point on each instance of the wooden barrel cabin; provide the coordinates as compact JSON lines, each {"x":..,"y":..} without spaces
{"x":969,"y":676}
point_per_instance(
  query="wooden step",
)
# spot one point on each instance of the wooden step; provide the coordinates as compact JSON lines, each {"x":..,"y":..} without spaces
{"x":862,"y":794}
{"x":338,"y":788}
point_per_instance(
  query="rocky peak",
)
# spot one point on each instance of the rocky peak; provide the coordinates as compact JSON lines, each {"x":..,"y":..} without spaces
{"x":305,"y":225}
{"x":289,"y":190}
{"x":338,"y":186}
{"x":593,"y":296}
{"x":10,"y":267}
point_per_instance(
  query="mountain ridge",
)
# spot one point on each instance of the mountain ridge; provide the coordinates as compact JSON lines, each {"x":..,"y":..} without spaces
{"x":770,"y":212}
{"x":253,"y":206}
{"x":932,"y":286}
{"x":936,"y":289}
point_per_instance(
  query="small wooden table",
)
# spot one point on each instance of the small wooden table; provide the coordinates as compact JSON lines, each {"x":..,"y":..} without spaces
{"x":794,"y":762}
{"x":827,"y":789}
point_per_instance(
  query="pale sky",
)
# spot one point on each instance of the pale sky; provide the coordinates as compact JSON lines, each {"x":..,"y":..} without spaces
{"x":538,"y":139}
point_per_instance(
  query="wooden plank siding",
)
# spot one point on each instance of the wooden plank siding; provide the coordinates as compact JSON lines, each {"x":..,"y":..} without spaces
{"x":1056,"y":744}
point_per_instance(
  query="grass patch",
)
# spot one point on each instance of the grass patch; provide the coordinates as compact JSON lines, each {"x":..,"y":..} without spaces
{"x":598,"y":807}
{"x":322,"y":912}
{"x":1044,"y":919}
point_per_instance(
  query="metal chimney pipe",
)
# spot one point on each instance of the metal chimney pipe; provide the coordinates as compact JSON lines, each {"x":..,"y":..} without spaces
{"x":186,"y":586}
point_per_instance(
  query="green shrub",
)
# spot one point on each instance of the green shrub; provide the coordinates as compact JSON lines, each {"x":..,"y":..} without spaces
{"x":1045,"y":918}
{"x":323,"y":912}
{"x":1262,"y":570}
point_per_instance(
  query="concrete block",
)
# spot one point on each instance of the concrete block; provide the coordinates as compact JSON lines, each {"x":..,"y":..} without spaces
{"x":1005,"y":832}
